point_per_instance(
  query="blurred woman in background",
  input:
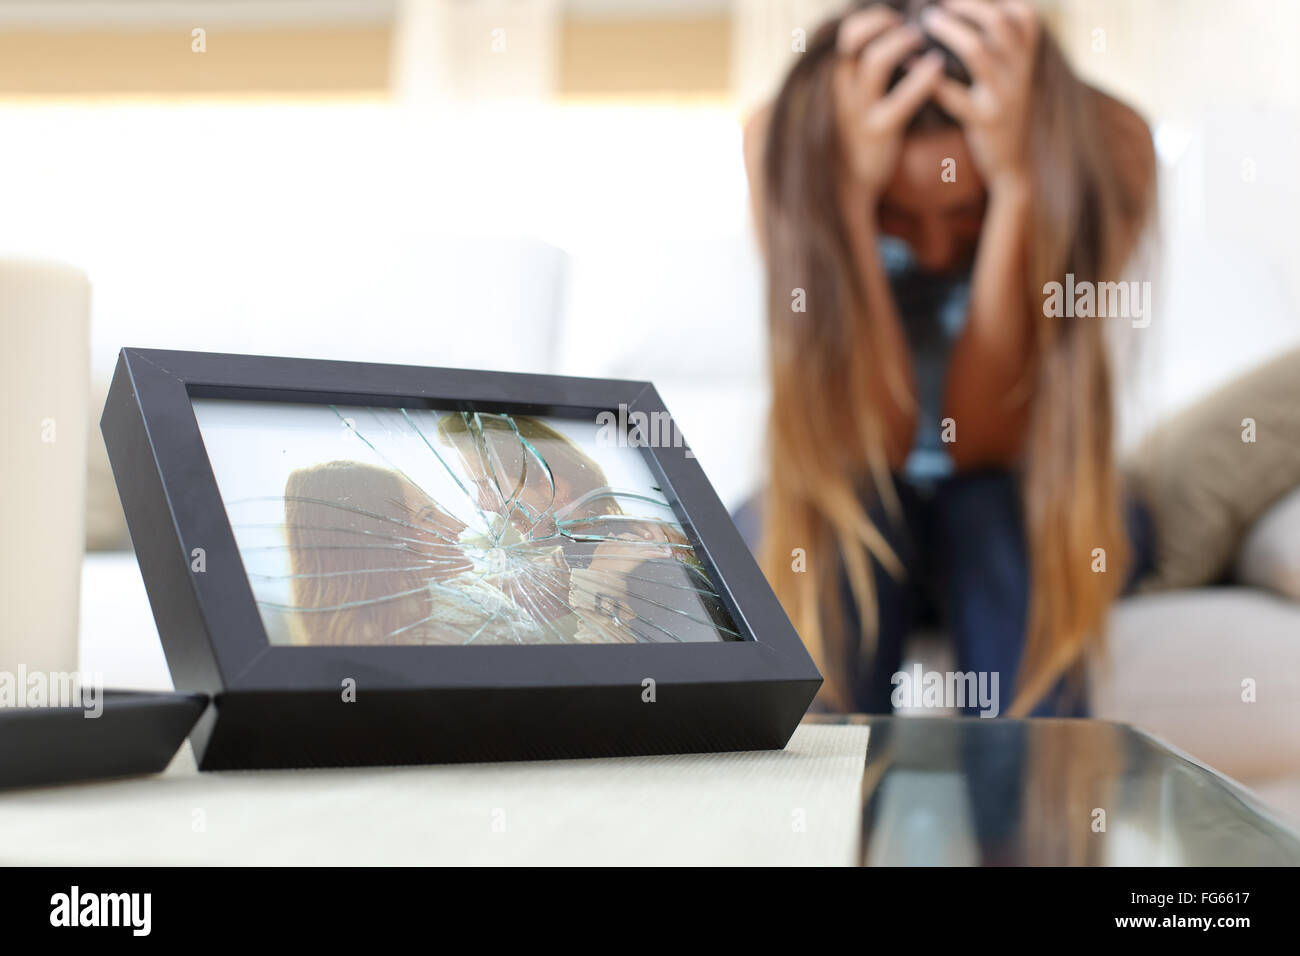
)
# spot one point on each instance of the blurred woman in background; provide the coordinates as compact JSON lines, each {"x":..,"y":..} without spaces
{"x":937,"y":439}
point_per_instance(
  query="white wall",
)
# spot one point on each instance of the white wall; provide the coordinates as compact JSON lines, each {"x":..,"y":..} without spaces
{"x":592,"y":240}
{"x":1219,"y":80}
{"x":609,"y":240}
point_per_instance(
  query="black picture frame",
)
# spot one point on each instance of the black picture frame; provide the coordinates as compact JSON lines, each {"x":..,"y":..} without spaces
{"x":137,"y":732}
{"x":275,"y":706}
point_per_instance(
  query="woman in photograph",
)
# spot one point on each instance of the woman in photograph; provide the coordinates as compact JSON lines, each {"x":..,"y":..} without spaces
{"x":627,"y":571}
{"x":374,"y":560}
{"x":525,"y":471}
{"x":940,"y":445}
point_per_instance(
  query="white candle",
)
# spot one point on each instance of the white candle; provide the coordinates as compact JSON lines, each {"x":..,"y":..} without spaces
{"x":44,"y":379}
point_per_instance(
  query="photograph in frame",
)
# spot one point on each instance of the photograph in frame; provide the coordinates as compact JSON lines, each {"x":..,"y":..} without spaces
{"x":416,"y":526}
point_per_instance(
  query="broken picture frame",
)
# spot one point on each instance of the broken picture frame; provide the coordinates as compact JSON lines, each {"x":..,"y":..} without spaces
{"x":388,"y":564}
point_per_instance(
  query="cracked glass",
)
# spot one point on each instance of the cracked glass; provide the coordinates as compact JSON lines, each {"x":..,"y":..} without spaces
{"x":376,"y":525}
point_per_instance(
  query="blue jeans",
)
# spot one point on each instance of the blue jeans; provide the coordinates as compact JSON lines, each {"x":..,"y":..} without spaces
{"x":963,"y":547}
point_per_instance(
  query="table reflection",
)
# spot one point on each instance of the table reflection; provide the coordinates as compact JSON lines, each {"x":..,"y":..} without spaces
{"x":974,"y":792}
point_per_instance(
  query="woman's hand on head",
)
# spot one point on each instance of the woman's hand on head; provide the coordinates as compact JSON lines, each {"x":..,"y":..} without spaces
{"x":998,"y":43}
{"x":872,"y":44}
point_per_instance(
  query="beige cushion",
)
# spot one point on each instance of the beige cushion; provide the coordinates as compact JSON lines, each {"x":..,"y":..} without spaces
{"x":1176,"y":667}
{"x":1205,"y":485}
{"x":1282,"y":794}
{"x":1270,"y":557}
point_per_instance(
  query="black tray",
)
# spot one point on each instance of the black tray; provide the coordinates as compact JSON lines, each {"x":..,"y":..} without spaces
{"x":138,"y":732}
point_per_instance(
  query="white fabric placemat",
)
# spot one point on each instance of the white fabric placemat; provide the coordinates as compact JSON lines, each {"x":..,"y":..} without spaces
{"x":798,"y":806}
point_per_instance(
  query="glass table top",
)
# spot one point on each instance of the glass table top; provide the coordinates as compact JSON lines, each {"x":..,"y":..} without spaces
{"x":980,"y":792}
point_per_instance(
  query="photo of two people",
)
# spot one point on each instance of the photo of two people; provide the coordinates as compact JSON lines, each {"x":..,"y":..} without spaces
{"x":361,"y":525}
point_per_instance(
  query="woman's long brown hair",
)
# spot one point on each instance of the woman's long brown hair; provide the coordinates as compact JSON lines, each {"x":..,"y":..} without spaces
{"x":361,"y":555}
{"x":825,"y":437}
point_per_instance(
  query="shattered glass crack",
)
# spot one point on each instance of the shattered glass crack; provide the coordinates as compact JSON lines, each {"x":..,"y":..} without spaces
{"x":456,"y":527}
